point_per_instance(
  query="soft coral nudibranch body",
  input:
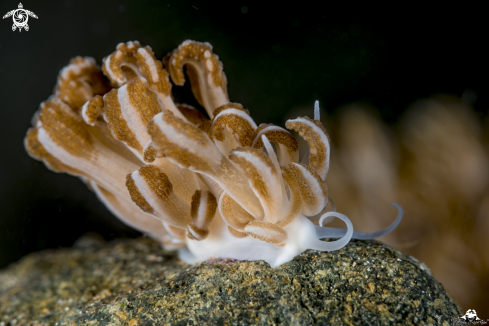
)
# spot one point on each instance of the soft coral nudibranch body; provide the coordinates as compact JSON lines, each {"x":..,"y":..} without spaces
{"x":213,"y":186}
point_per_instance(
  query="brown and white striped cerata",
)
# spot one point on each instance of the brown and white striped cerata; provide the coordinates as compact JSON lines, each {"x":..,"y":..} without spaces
{"x":210,"y":183}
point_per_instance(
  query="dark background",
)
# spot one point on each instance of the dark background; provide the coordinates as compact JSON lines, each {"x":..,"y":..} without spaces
{"x":276,"y":59}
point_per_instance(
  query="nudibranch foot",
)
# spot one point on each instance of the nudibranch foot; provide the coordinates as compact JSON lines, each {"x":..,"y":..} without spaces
{"x":302,"y":236}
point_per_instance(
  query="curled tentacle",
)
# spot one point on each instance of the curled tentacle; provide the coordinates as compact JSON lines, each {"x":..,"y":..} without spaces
{"x":330,"y":207}
{"x":315,"y":243}
{"x":131,"y":60}
{"x":204,"y":70}
{"x":323,"y":232}
{"x":79,"y":82}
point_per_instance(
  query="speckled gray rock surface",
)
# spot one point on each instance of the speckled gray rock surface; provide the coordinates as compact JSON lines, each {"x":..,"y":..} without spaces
{"x":135,"y":282}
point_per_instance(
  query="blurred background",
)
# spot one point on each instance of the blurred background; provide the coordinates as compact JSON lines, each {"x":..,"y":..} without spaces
{"x":401,"y":91}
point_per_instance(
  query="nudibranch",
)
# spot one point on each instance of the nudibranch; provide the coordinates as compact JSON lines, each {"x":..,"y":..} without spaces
{"x":213,"y":183}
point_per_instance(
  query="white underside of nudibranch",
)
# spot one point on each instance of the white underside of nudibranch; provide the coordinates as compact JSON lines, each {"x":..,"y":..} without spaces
{"x":303,"y":235}
{"x":220,"y":243}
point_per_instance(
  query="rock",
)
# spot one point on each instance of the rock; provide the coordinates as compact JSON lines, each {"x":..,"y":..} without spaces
{"x":135,"y":282}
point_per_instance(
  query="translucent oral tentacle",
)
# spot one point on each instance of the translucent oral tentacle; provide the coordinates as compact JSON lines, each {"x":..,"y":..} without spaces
{"x":202,"y":211}
{"x":188,"y":146}
{"x":316,"y":111}
{"x":64,"y":141}
{"x":318,"y":140}
{"x":153,"y":192}
{"x":324,"y":232}
{"x":232,"y":126}
{"x":263,"y":177}
{"x":79,"y":81}
{"x":313,"y":190}
{"x":287,"y":146}
{"x":314,"y":242}
{"x":205,"y":72}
